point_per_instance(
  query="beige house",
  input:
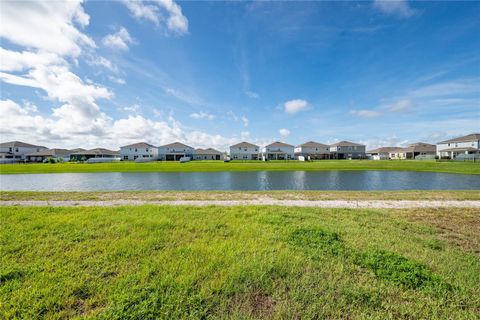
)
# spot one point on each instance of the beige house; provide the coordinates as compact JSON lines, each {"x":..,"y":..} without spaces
{"x":56,"y":154}
{"x":347,"y":150}
{"x":312,"y":150}
{"x":382,"y":153}
{"x":466,"y":147}
{"x":97,"y":153}
{"x":207,"y":154}
{"x":419,"y":150}
{"x":244,"y":151}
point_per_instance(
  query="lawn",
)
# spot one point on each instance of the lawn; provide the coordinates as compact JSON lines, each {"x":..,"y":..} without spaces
{"x":150,"y":262}
{"x":205,"y":166}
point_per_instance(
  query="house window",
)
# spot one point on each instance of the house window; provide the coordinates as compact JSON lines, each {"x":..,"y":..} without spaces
{"x":135,"y":149}
{"x":146,"y":149}
{"x":135,"y":157}
{"x":125,"y":157}
{"x":16,"y":149}
{"x":9,"y":149}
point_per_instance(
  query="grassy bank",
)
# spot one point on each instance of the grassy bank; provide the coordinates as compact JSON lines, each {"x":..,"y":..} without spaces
{"x":239,"y":262}
{"x":206,"y":166}
{"x":240,"y":195}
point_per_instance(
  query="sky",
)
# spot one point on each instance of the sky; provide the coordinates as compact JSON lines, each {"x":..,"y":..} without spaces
{"x":211,"y":74}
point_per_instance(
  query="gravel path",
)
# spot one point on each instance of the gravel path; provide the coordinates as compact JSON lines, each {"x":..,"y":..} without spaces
{"x":396,"y":204}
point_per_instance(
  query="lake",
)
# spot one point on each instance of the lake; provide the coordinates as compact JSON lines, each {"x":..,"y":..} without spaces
{"x":253,"y":180}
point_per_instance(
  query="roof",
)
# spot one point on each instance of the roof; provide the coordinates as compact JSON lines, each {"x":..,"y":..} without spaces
{"x":421,"y":147}
{"x":76,"y":150}
{"x":383,"y":150}
{"x":459,"y":149}
{"x":278,"y":144}
{"x":139,"y":145}
{"x":50,"y":152}
{"x":346,"y":144}
{"x":244,"y":145}
{"x":207,"y":151}
{"x":312,"y":144}
{"x":175,"y":145}
{"x":97,"y":151}
{"x":467,"y":138}
{"x":13,"y":144}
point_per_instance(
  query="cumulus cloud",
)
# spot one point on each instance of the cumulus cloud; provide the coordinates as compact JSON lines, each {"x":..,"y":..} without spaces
{"x":284,"y":132}
{"x":118,"y":40}
{"x":294,"y":106}
{"x":159,"y":12}
{"x":365,"y":113}
{"x":202,"y":115}
{"x":399,"y":8}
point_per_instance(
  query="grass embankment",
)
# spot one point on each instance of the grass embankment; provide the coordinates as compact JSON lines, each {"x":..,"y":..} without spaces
{"x":208,"y":166}
{"x":239,"y":195}
{"x":239,"y":262}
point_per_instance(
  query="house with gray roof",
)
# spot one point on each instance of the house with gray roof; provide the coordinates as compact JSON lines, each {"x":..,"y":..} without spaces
{"x":347,"y":150}
{"x":175,"y":151}
{"x":312,"y":150}
{"x":140,"y":150}
{"x":55,"y":154}
{"x":97,"y":153}
{"x":465,"y":147}
{"x":244,"y":151}
{"x":207,"y":154}
{"x":278,"y":151}
{"x":382,"y":153}
{"x":419,"y":150}
{"x":16,"y":150}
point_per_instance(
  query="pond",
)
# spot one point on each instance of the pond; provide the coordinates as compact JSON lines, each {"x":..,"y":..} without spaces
{"x":253,"y":180}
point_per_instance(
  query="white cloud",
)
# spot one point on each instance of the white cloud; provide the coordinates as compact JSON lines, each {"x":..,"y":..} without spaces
{"x":103,"y":62}
{"x":400,"y":106}
{"x":252,"y":94}
{"x":202,"y":115}
{"x":117,"y":80}
{"x":245,"y":121}
{"x":294,"y":106}
{"x":160,"y":12}
{"x":399,"y":8}
{"x":135,"y":108}
{"x":365,"y":113}
{"x":118,"y":40}
{"x":20,"y":61}
{"x":284,"y":132}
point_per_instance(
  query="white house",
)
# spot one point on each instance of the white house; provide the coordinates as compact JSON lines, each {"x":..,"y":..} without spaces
{"x":347,"y":150}
{"x":278,"y":151}
{"x":466,"y":147}
{"x":312,"y":150}
{"x":175,"y":151}
{"x":382,"y":153}
{"x":141,"y":150}
{"x":16,"y":150}
{"x":244,"y":151}
{"x":207,"y":154}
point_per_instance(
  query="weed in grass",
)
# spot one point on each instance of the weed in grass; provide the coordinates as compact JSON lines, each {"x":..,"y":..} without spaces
{"x":317,"y":239}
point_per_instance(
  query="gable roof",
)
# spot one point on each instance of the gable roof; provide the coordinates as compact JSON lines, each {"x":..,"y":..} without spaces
{"x":175,"y":145}
{"x":417,"y":147}
{"x":244,"y":145}
{"x":13,"y":144}
{"x":312,"y":144}
{"x":97,"y":151}
{"x":50,"y":152}
{"x":345,"y":143}
{"x":467,"y":138}
{"x":383,"y":150}
{"x":278,"y":144}
{"x":207,"y":151}
{"x":139,"y":145}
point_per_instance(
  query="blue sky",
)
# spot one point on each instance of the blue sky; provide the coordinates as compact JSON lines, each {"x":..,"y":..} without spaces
{"x":210,"y":74}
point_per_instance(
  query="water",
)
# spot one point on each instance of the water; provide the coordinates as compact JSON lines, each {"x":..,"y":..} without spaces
{"x":258,"y":180}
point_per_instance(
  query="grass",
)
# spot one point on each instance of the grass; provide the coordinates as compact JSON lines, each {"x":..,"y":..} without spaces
{"x":239,"y":195}
{"x":207,"y":166}
{"x":153,"y":262}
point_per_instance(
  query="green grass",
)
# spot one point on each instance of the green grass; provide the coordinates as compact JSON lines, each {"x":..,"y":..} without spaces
{"x":206,"y":166}
{"x":239,"y":195}
{"x":153,"y":262}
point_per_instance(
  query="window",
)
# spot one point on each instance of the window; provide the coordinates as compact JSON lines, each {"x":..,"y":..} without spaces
{"x":135,"y":149}
{"x":9,"y":149}
{"x":125,"y":157}
{"x":135,"y":157}
{"x":146,"y":149}
{"x":16,"y":149}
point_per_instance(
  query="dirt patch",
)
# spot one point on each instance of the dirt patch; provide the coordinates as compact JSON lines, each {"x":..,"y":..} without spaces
{"x":256,"y":304}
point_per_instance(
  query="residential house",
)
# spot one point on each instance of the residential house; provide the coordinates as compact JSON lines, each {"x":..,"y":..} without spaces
{"x":382,"y":153}
{"x":278,"y":151}
{"x":16,"y":150}
{"x":55,"y":154}
{"x":419,"y":150}
{"x":466,"y":147}
{"x":207,"y":154}
{"x":347,"y":150}
{"x":97,"y":153}
{"x":244,"y":151}
{"x":175,"y":151}
{"x":140,"y":150}
{"x":312,"y":150}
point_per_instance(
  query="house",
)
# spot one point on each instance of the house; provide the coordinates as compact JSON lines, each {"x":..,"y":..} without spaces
{"x":207,"y":154}
{"x":56,"y":154}
{"x":16,"y":150}
{"x":347,"y":150}
{"x":141,"y":150}
{"x":312,"y":150}
{"x":175,"y":151}
{"x":278,"y":151}
{"x":382,"y":153}
{"x":97,"y":153}
{"x":466,"y":147}
{"x":419,"y":150}
{"x":244,"y":151}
